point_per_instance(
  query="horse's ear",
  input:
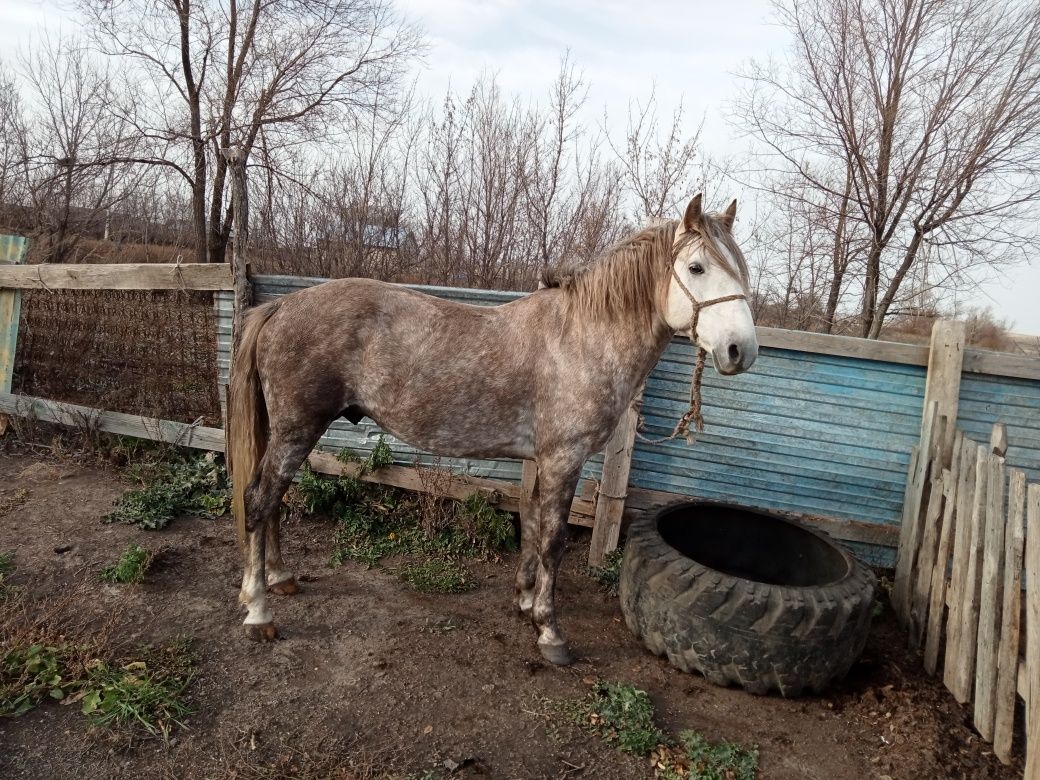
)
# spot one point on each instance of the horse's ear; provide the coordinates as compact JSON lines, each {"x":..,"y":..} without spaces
{"x":729,"y":215}
{"x":692,"y":217}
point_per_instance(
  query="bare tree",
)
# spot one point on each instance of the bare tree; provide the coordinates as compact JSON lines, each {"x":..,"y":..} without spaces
{"x":67,"y":145}
{"x":208,"y":74}
{"x":915,"y":125}
{"x":658,"y":169}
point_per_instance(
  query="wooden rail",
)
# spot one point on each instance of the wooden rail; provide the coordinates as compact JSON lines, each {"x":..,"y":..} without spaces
{"x":123,"y":276}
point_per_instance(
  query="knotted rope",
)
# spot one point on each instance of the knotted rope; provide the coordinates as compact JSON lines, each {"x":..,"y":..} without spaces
{"x":693,"y":413}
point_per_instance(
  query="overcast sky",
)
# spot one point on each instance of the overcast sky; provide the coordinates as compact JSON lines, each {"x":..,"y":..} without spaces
{"x":689,"y":49}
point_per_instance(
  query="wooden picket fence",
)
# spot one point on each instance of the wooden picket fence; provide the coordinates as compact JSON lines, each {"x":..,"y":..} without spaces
{"x":971,"y":529}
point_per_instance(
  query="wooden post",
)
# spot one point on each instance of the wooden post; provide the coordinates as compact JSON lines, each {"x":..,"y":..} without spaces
{"x":12,"y":251}
{"x":909,"y":528}
{"x":1007,"y":653}
{"x":528,"y":481}
{"x":943,"y":383}
{"x":921,"y":578}
{"x":964,"y":659}
{"x":990,"y":598}
{"x":610,"y":505}
{"x":959,"y":567}
{"x":937,"y":597}
{"x":1033,"y":632}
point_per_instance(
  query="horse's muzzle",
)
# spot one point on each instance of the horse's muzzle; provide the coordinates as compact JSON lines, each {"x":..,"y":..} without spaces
{"x":735,"y":357}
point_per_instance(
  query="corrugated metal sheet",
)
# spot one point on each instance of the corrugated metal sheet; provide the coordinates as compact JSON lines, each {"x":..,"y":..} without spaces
{"x":801,"y":432}
{"x":986,"y":399}
{"x":362,"y":438}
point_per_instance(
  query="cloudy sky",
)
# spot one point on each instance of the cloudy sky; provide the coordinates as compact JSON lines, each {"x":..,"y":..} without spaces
{"x":688,"y":49}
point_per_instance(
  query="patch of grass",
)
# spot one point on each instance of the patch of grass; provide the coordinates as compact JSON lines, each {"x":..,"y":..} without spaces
{"x":6,"y":564}
{"x":623,"y":716}
{"x":608,"y":575}
{"x":12,"y":499}
{"x":192,"y":487}
{"x":437,"y":575}
{"x":489,"y":529}
{"x":146,"y":694}
{"x":131,"y":568}
{"x":718,"y":761}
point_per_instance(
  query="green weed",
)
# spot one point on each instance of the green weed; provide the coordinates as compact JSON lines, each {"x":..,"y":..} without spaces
{"x":193,"y":487}
{"x":489,"y":529}
{"x":719,"y":761}
{"x":6,"y":564}
{"x":623,"y":716}
{"x":29,"y":674}
{"x":131,"y":568}
{"x":608,"y":575}
{"x":437,"y":575}
{"x":143,"y":694}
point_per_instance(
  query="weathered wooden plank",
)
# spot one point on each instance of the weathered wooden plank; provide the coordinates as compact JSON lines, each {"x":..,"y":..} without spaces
{"x":12,"y":252}
{"x":910,"y":527}
{"x":119,"y":276}
{"x":75,"y":416}
{"x":943,"y":381}
{"x":926,"y":556}
{"x":975,"y":361}
{"x":984,"y":361}
{"x":990,"y":598}
{"x":1010,"y":630}
{"x":461,"y":485}
{"x":843,"y":346}
{"x":959,"y":564}
{"x":610,"y":504}
{"x":1032,"y":574}
{"x":964,"y":661}
{"x":937,"y":594}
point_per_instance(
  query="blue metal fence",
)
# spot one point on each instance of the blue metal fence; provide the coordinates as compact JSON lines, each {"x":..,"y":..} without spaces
{"x":815,"y":434}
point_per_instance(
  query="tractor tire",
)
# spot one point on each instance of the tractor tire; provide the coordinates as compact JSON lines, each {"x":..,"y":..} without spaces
{"x":745,"y":597}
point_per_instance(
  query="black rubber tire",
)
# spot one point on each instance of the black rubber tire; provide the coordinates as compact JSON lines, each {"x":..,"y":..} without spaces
{"x":735,"y":631}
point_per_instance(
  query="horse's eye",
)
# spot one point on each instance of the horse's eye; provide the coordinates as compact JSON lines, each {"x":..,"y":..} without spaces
{"x":696,"y":268}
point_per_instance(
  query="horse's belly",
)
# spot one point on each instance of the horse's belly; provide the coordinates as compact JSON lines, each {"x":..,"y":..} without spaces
{"x":463,"y":435}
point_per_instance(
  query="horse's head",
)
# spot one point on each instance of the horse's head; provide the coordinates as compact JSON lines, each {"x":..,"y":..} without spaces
{"x":708,"y":288}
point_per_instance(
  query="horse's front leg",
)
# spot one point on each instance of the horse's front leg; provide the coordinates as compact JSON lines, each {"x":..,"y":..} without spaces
{"x":557,"y":479}
{"x":527,"y":570}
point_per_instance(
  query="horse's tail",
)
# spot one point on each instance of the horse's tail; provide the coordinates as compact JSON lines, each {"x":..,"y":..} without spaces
{"x":246,"y":435}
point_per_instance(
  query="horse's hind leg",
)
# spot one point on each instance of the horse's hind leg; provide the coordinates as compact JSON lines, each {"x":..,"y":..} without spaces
{"x":557,"y":480}
{"x":280,"y":579}
{"x":284,"y":455}
{"x":527,"y":571}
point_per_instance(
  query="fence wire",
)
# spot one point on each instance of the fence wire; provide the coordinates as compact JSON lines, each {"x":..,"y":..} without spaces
{"x":149,"y":352}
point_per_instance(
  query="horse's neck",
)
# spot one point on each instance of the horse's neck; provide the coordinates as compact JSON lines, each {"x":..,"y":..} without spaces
{"x":630,"y":351}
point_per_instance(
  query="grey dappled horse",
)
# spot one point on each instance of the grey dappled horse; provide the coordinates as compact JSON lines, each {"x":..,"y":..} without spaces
{"x":545,"y":377}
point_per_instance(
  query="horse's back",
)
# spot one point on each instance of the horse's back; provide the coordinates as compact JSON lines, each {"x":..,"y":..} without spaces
{"x":442,"y":375}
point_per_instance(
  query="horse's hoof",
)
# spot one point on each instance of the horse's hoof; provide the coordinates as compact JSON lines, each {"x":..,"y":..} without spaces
{"x":289,"y":587}
{"x":261,"y":632}
{"x":558,"y":655}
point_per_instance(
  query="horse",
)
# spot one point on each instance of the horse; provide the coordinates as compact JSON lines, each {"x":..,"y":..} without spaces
{"x":544,"y":378}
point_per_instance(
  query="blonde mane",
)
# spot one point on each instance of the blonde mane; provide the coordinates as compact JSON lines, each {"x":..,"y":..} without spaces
{"x":627,"y":279}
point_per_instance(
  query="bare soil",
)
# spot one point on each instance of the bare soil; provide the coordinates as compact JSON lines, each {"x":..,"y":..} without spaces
{"x":371,"y":677}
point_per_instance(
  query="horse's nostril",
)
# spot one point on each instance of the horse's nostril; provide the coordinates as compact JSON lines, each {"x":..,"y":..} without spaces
{"x":734,"y":353}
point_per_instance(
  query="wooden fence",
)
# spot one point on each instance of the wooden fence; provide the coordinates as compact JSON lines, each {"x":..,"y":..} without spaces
{"x":970,"y":523}
{"x":971,"y":527}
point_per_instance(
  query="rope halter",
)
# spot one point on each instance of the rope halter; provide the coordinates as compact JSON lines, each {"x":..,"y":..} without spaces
{"x":693,"y":413}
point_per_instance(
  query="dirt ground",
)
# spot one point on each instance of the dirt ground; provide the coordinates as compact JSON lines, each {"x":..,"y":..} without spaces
{"x":371,"y":675}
